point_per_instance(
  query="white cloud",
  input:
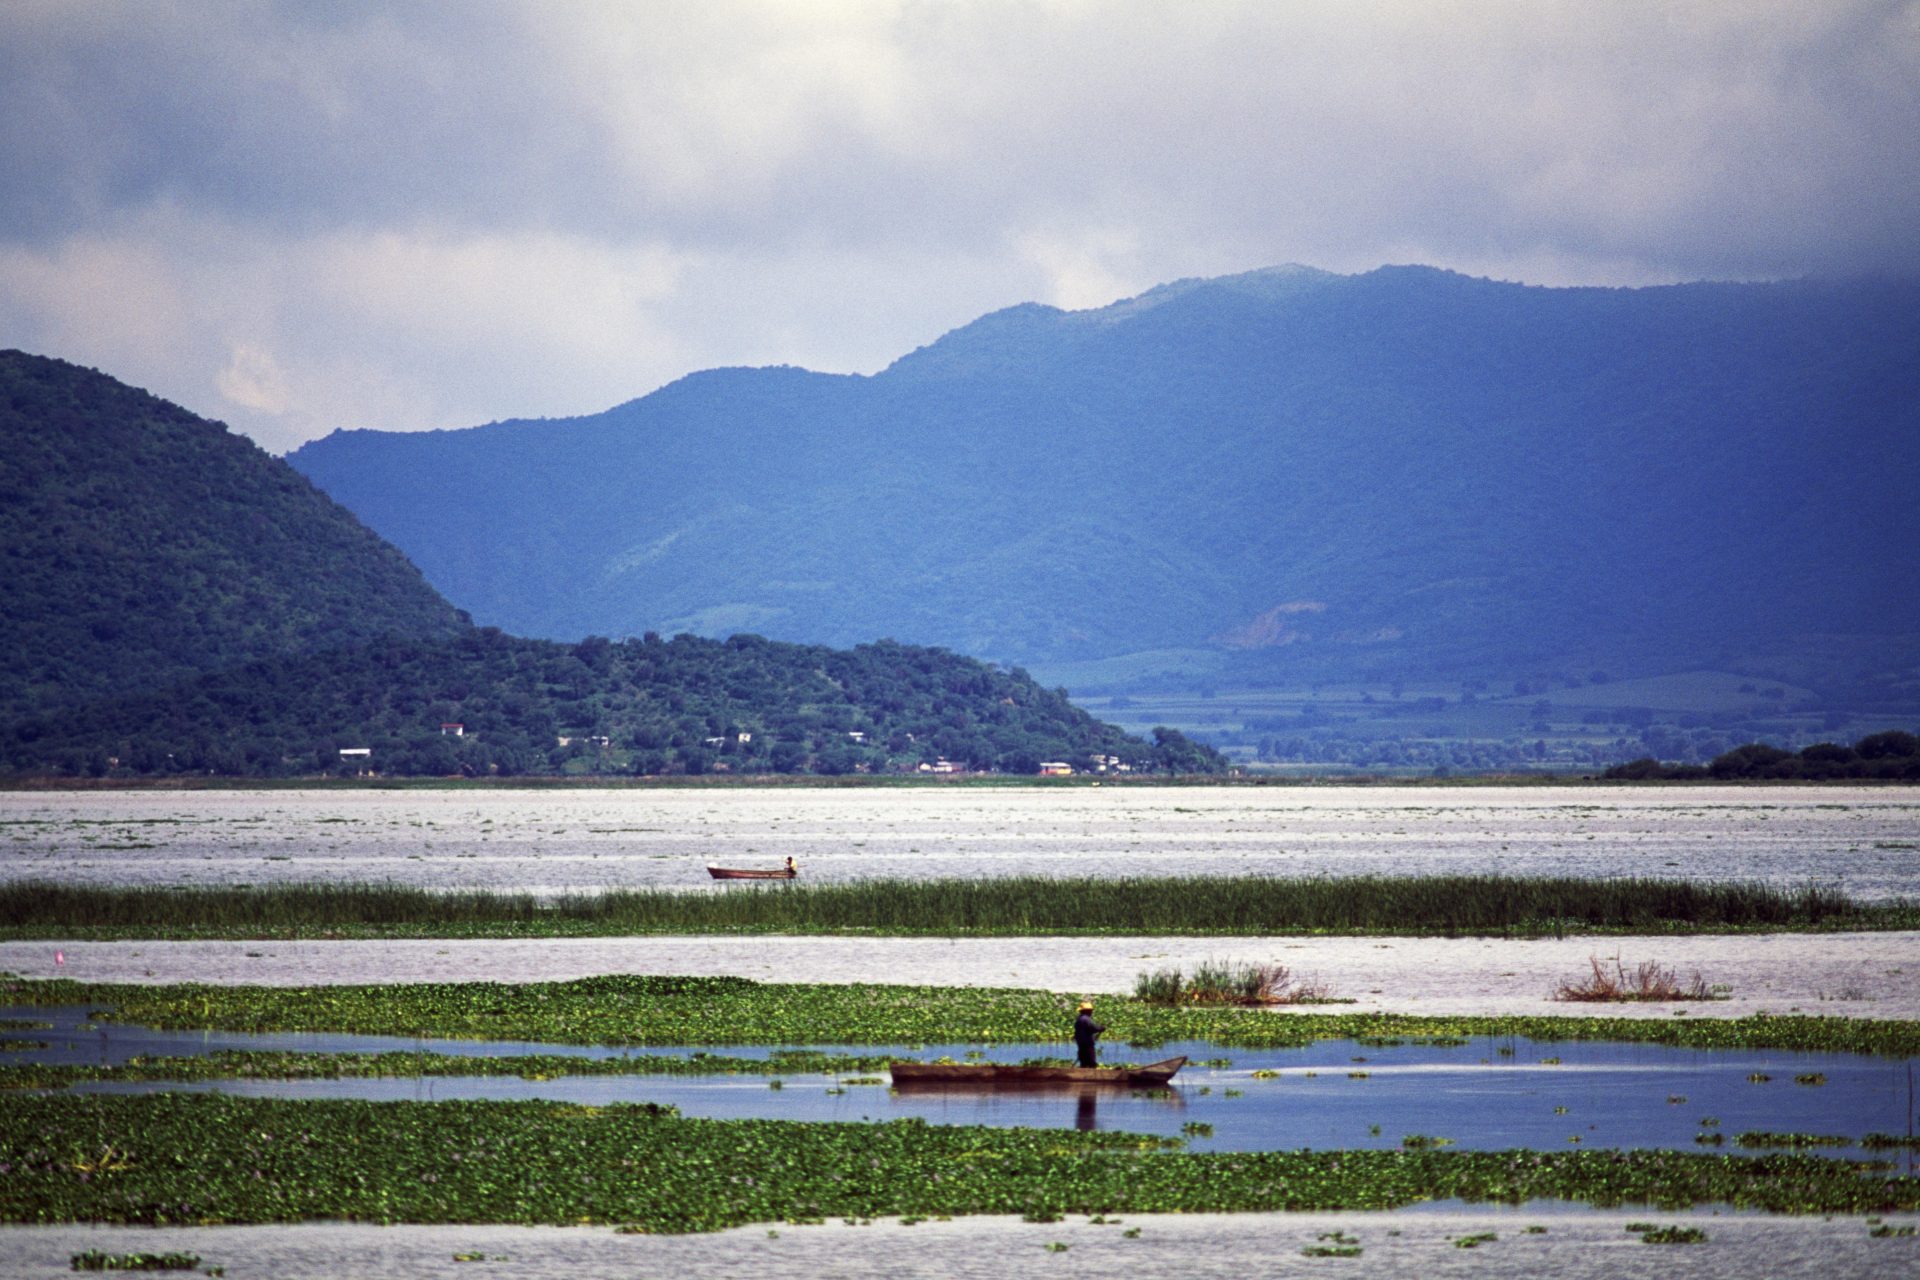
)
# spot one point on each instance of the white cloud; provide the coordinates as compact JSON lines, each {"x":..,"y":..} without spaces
{"x":253,"y":379}
{"x":415,"y":215}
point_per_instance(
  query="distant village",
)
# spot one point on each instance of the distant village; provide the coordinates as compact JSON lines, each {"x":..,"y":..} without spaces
{"x":1098,"y":764}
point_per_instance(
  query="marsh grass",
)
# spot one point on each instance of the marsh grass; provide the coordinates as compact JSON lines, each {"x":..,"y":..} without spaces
{"x":1024,"y":905}
{"x":1649,"y":980}
{"x":240,"y":1064}
{"x":1224,"y":982}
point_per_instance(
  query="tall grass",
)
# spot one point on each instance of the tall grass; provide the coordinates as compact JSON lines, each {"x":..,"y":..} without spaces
{"x":1434,"y":905}
{"x":1226,"y":982}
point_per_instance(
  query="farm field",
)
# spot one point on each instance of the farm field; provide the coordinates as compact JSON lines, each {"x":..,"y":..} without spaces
{"x":1411,"y":731}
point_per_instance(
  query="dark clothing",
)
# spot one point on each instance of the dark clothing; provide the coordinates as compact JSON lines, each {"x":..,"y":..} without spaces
{"x":1085,"y":1030}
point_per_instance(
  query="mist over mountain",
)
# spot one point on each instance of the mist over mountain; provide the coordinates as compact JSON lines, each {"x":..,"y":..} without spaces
{"x":1402,"y":474}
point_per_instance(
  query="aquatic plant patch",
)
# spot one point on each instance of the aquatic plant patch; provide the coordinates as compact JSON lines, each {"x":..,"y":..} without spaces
{"x":639,"y":1010}
{"x":1507,"y":906}
{"x":98,"y":1260}
{"x":1673,"y":1235}
{"x":1762,"y":1138}
{"x":195,"y":1158}
{"x":630,"y":1009}
{"x":280,"y":1065}
{"x":1888,"y":1141}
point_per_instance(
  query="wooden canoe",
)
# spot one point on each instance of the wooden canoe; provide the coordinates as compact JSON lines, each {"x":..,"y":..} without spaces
{"x":737,"y":873}
{"x":999,"y":1075}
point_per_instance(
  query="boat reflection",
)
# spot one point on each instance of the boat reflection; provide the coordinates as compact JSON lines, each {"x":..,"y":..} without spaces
{"x":1035,"y":1105}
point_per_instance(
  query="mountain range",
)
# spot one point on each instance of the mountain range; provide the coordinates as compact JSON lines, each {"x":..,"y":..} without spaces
{"x":1406,"y":474}
{"x":178,"y":601}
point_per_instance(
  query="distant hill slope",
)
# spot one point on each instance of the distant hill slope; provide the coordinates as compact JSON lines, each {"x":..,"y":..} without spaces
{"x":1406,"y":472}
{"x":486,"y":703}
{"x":177,"y":600}
{"x":143,"y":544}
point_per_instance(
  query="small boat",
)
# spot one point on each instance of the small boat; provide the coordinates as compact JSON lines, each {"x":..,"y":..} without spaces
{"x":737,"y":873}
{"x":998,"y":1075}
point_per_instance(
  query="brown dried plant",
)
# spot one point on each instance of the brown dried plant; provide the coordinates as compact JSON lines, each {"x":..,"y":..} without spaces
{"x":1650,"y":980}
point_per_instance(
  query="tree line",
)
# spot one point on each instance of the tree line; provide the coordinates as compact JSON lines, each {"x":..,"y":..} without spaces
{"x":486,"y":703}
{"x":1892,"y":755}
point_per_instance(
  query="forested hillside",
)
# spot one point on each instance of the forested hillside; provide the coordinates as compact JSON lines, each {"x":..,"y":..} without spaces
{"x":177,"y":601}
{"x":140,"y":544}
{"x":487,"y":703}
{"x":1403,"y":475}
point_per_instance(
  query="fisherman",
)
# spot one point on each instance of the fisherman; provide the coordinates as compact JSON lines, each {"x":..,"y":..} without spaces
{"x":1085,"y":1031}
{"x":791,"y":869}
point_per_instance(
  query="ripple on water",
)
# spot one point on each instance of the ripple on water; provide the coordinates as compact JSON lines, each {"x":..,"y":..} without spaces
{"x":1486,"y":1094}
{"x":1857,"y":838}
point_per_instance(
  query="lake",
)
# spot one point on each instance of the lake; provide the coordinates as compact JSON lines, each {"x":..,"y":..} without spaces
{"x":1863,"y":840}
{"x":1489,"y":1093}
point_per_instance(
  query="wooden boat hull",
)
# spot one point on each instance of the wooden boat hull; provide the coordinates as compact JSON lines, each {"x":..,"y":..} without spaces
{"x":995,"y":1075}
{"x":734,"y":873}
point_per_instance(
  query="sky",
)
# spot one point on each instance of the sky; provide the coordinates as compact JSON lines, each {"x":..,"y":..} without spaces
{"x":301,"y":217}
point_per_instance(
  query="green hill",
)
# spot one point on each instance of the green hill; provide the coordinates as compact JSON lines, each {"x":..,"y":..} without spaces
{"x":177,"y":601}
{"x":143,"y":544}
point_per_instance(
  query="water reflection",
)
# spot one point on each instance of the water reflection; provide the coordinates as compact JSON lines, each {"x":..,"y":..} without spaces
{"x":1488,"y":1094}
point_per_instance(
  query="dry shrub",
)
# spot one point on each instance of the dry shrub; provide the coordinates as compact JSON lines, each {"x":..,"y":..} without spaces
{"x":1650,"y":980}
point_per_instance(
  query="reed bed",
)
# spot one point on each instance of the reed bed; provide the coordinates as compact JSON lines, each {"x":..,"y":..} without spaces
{"x":1243,"y":906}
{"x":1227,"y":982}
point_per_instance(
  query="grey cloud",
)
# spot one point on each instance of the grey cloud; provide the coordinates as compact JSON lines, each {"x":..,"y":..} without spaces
{"x":313,"y":188}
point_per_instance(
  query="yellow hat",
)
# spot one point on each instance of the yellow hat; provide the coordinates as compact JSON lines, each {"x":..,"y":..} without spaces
{"x":1086,"y":1006}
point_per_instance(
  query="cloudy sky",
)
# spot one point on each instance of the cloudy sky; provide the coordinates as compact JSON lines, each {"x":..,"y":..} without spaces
{"x":296,"y":217}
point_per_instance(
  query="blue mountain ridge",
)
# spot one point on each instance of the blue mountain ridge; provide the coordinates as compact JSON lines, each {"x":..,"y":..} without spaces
{"x":1402,"y":473}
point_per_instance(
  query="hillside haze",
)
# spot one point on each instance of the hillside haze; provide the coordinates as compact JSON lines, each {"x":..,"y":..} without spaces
{"x":178,"y":601}
{"x":1407,"y":473}
{"x":144,"y":544}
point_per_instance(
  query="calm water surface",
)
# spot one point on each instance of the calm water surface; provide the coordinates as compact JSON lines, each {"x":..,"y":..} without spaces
{"x":1865,"y":840}
{"x":1490,"y":1093}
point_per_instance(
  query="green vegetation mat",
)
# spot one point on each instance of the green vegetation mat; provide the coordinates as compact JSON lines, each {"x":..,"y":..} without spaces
{"x":173,"y":1159}
{"x":278,"y":1065}
{"x":625,"y":1009}
{"x":1506,"y":906}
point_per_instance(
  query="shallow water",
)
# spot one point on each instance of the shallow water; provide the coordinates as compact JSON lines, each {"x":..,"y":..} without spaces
{"x":1864,"y":840}
{"x":1487,"y":1094}
{"x":1574,"y":1246}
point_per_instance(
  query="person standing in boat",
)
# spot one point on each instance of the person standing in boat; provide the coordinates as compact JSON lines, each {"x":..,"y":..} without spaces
{"x":1085,"y":1032}
{"x":791,"y":869}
